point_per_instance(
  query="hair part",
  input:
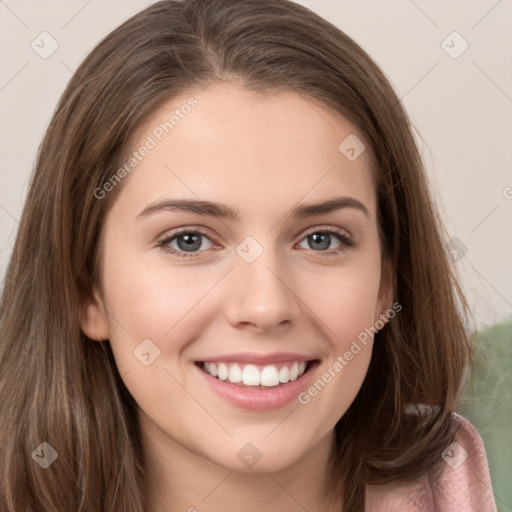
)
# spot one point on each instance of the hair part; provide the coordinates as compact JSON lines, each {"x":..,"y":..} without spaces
{"x":59,"y":386}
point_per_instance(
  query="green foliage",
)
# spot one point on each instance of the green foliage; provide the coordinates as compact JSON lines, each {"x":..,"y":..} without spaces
{"x":487,"y":403}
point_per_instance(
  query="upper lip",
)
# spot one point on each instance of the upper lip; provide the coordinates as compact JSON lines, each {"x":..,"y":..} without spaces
{"x":251,"y":358}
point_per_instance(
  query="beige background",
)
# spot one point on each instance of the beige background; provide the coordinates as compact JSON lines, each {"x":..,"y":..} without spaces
{"x":461,"y":107}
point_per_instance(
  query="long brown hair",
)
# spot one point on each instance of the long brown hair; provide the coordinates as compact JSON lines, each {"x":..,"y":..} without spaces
{"x":59,"y":387}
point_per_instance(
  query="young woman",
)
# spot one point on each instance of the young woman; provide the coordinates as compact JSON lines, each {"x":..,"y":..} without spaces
{"x":229,"y":288}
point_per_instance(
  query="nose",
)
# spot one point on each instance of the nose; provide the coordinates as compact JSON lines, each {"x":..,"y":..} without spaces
{"x":260,"y":295}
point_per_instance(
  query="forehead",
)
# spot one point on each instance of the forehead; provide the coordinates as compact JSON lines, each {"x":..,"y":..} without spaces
{"x":229,"y":144}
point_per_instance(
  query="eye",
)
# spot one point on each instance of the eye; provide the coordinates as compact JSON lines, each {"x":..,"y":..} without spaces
{"x":188,"y":242}
{"x":320,"y":240}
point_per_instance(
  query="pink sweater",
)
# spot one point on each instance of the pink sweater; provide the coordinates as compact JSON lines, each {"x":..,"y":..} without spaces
{"x":464,"y":485}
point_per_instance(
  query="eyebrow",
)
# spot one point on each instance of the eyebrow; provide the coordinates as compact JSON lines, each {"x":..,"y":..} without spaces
{"x":212,"y":209}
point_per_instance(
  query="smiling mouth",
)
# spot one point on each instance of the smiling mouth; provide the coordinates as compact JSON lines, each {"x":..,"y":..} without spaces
{"x":255,"y":376}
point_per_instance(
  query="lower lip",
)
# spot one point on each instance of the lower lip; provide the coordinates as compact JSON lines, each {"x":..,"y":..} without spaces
{"x":259,"y":399}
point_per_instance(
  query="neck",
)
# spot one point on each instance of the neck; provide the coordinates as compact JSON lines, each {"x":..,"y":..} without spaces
{"x":179,"y":479}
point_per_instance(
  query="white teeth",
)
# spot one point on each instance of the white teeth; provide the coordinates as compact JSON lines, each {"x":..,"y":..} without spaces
{"x":235,"y":373}
{"x":294,"y":371}
{"x":222,"y":371}
{"x":252,"y":375}
{"x":269,"y":376}
{"x":284,"y":375}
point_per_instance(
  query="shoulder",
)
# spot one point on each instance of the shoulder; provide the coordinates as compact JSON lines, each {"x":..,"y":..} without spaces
{"x":463,"y":483}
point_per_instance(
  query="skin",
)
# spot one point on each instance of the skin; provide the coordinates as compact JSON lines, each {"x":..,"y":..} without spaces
{"x":261,"y":154}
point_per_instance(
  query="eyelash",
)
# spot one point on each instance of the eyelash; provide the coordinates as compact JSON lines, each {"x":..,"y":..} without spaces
{"x":346,"y":242}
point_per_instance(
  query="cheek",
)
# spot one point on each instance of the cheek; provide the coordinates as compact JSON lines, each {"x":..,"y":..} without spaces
{"x":345,"y":301}
{"x":160,"y":304}
{"x":344,"y":298}
{"x":153,"y":301}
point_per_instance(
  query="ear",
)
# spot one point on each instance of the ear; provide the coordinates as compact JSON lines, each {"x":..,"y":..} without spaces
{"x":94,"y":320}
{"x":385,"y":296}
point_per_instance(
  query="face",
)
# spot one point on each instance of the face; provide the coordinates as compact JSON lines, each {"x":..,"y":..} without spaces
{"x":234,"y":302}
